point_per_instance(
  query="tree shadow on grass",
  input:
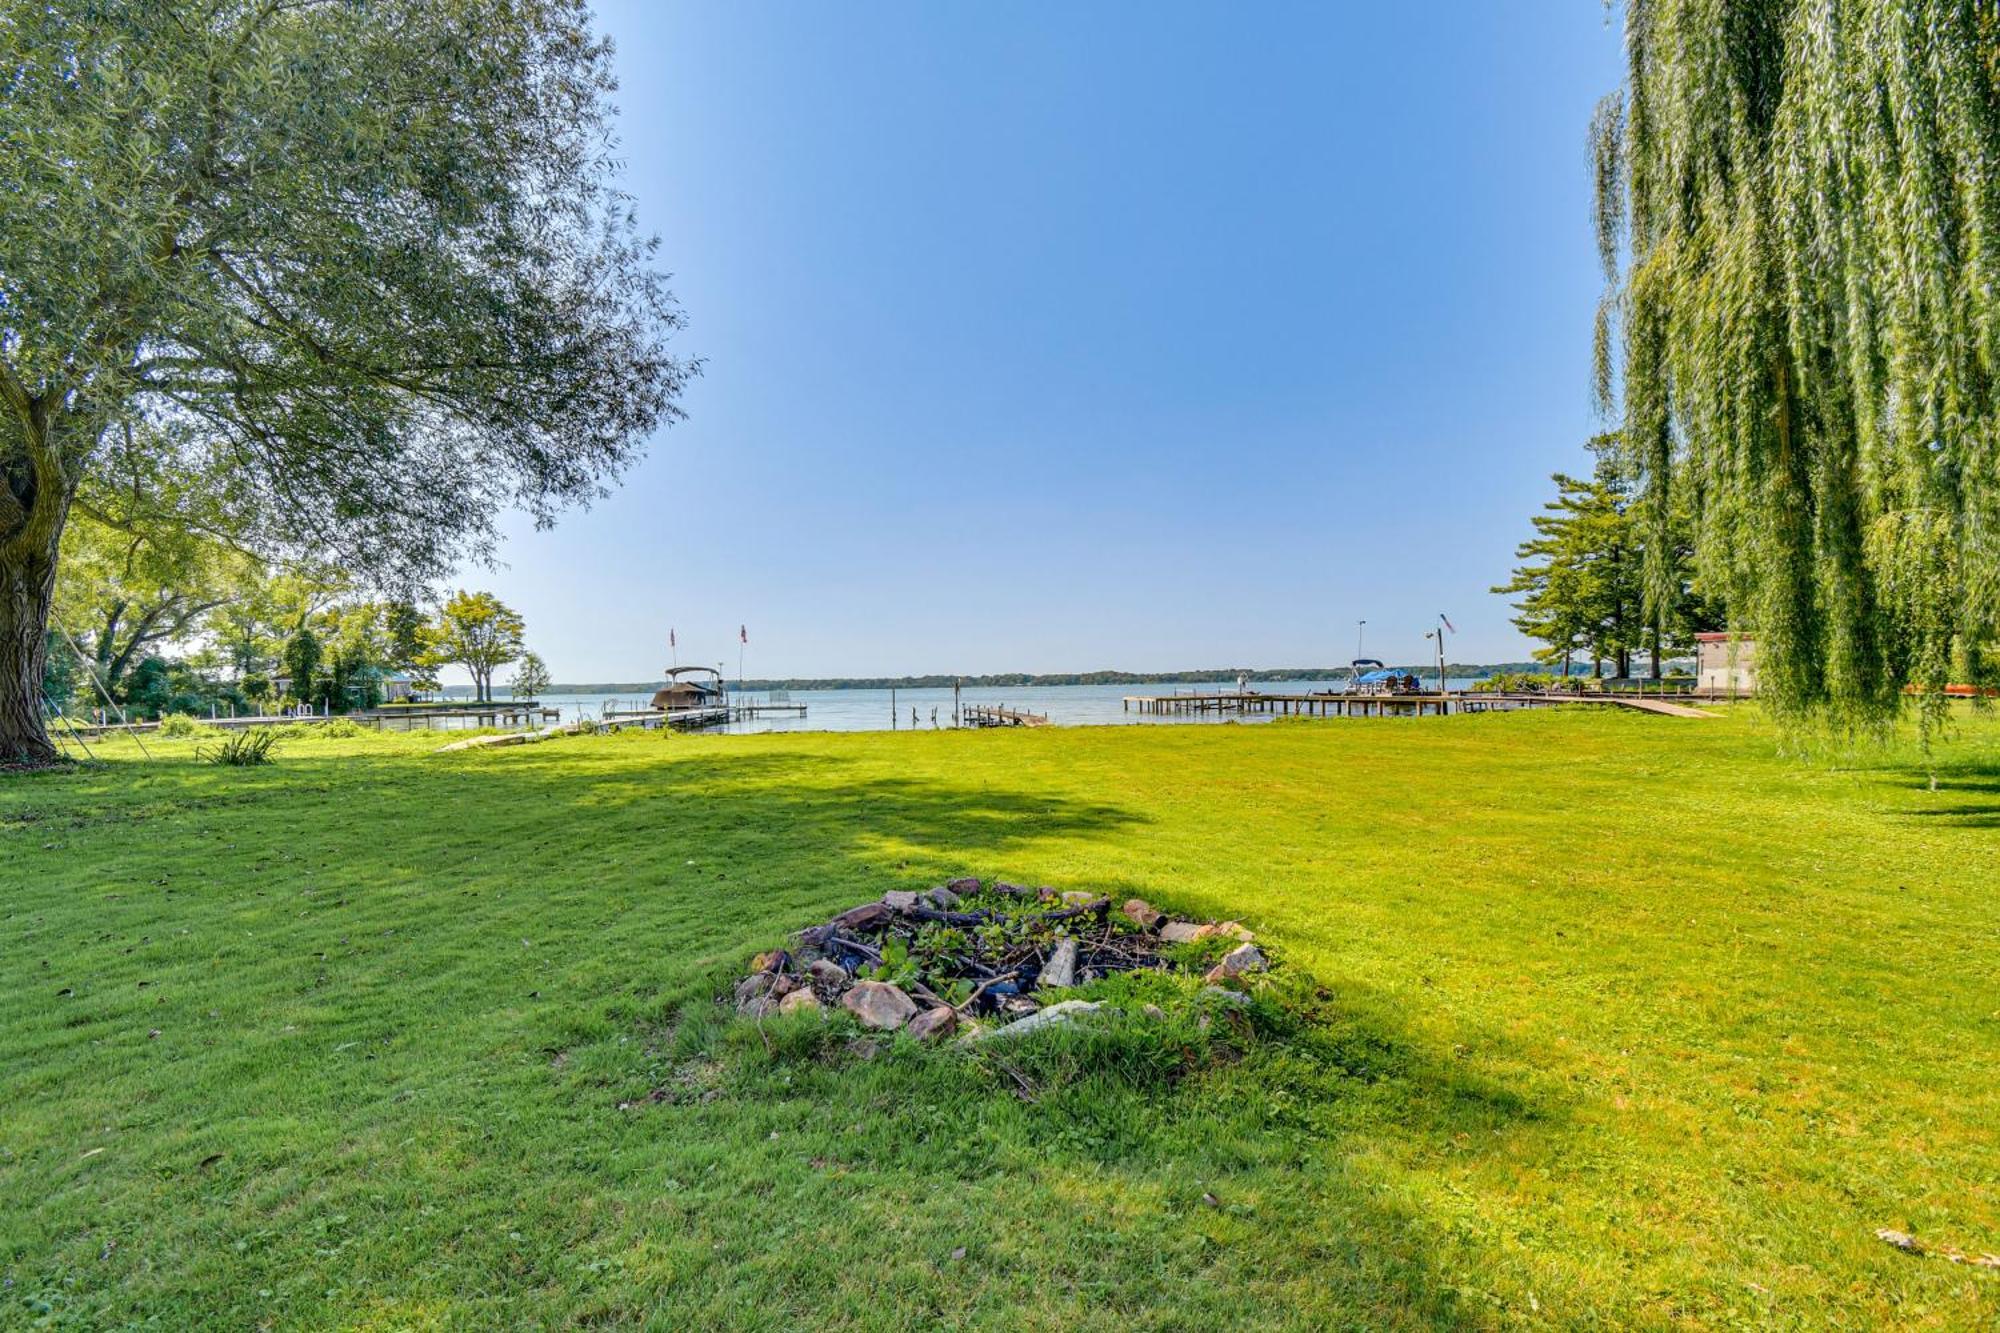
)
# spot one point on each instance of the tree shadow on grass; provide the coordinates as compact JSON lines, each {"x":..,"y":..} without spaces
{"x":1253,"y":1180}
{"x":797,"y":813}
{"x":1319,"y":1082}
{"x":1950,"y":793}
{"x":459,"y":921}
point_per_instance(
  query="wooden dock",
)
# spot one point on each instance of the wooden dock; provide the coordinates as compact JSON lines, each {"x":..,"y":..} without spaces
{"x":747,"y":710}
{"x":1243,"y":703}
{"x":990,"y":715}
{"x":521,"y":716}
{"x":1484,"y":703}
{"x":692,"y":719}
{"x":679,"y":719}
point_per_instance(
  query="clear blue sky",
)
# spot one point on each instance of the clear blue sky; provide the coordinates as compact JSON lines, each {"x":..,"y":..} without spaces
{"x":1052,"y":337}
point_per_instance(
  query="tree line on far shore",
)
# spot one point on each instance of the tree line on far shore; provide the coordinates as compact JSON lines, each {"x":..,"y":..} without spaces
{"x":1021,"y":679}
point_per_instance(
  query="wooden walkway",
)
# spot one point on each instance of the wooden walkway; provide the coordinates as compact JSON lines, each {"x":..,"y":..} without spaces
{"x":1482,"y":703}
{"x":680,"y":719}
{"x":1252,"y":702}
{"x":691,"y":719}
{"x":988,"y":715}
{"x":1247,"y":702}
{"x":423,"y":716}
{"x":764,"y":710}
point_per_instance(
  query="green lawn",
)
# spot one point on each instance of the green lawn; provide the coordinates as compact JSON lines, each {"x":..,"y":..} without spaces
{"x":1626,"y":1020}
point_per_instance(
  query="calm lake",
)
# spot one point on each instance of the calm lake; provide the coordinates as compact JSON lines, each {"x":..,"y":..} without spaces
{"x":873,"y":710}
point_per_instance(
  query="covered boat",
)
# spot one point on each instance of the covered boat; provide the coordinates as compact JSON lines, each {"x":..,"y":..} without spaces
{"x":690,"y":687}
{"x":1371,"y":677}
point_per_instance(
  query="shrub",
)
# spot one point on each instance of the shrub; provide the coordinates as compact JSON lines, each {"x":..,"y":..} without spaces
{"x":331,"y":729}
{"x":1518,"y":682}
{"x":243,"y":749}
{"x":182,"y":727}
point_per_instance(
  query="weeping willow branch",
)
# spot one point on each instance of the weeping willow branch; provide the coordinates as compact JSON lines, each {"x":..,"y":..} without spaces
{"x":1798,"y":210}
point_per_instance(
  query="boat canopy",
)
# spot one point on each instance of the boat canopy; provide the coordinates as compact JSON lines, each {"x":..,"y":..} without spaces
{"x":689,"y":687}
{"x":1377,"y":677}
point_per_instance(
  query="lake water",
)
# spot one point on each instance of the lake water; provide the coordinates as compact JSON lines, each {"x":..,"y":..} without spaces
{"x":872,"y":710}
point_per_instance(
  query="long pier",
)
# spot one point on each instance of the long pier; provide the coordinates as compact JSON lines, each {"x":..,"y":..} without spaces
{"x":1247,"y":702}
{"x":411,"y":717}
{"x":680,"y":719}
{"x":1252,"y":702}
{"x":693,"y":719}
{"x":1487,"y":703}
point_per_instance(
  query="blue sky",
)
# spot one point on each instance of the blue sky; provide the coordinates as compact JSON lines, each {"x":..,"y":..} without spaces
{"x":1052,"y":337}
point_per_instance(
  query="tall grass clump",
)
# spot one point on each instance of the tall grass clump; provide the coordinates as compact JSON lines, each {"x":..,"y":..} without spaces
{"x":243,"y":749}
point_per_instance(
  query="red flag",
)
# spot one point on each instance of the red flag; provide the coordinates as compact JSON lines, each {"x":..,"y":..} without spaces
{"x":672,"y":642}
{"x":743,"y":633}
{"x":1447,"y":624}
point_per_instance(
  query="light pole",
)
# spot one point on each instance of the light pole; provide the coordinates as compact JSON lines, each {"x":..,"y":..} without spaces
{"x":1443,"y":626}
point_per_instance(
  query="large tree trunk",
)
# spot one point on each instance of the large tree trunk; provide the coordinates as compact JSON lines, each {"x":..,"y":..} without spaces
{"x":27,"y":583}
{"x":35,"y":493}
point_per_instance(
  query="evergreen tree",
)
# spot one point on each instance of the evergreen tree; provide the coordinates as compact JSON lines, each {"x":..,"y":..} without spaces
{"x":1580,"y":587}
{"x":531,"y":677}
{"x":1551,"y":604}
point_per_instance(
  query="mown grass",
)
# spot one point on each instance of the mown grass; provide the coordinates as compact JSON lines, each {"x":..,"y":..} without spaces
{"x":1626,"y":1021}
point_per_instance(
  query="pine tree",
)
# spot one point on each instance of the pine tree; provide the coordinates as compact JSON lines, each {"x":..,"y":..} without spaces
{"x":1581,"y":586}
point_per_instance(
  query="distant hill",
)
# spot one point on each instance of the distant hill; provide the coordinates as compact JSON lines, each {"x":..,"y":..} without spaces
{"x":1017,"y":679}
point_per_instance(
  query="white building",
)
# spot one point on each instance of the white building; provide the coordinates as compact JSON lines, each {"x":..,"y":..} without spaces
{"x":1726,"y":663}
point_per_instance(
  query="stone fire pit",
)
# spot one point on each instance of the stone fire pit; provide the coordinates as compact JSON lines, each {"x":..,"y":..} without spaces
{"x":987,"y":960}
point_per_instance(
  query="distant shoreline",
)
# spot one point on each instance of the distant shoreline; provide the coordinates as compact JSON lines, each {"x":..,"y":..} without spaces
{"x":1019,"y":680}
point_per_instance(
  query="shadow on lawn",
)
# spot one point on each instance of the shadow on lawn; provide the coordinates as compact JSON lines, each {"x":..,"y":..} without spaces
{"x":641,"y":874}
{"x":1947,"y":801}
{"x":1315,"y":1092}
{"x":790,"y":806}
{"x":1265,"y":1163}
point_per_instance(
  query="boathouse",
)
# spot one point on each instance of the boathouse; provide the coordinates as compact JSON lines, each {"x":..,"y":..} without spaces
{"x":1725,"y":663}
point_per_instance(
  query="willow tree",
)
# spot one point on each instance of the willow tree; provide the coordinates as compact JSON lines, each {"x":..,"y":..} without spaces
{"x":1799,"y":218}
{"x":357,"y":262}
